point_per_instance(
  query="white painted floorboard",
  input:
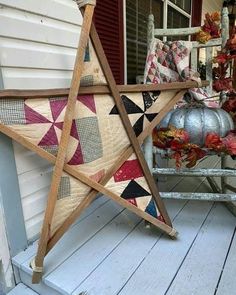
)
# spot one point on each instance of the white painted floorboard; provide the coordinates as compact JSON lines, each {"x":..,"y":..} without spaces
{"x":125,"y":259}
{"x":156,"y":273}
{"x":202,"y":267}
{"x":21,"y":289}
{"x":110,"y":252}
{"x":228,"y":280}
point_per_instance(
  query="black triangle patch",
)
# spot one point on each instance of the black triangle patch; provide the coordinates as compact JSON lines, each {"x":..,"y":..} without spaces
{"x":138,"y":126}
{"x":149,"y":98}
{"x":134,"y":190}
{"x":150,"y":117}
{"x":130,"y":106}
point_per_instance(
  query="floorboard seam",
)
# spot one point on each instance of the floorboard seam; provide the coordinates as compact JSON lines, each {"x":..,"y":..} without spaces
{"x":226,"y":257}
{"x":83,"y":244}
{"x":30,"y":257}
{"x":138,"y":223}
{"x":150,"y":251}
{"x":190,"y":247}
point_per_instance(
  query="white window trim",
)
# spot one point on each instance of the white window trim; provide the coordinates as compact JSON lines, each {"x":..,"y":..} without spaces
{"x":167,"y":3}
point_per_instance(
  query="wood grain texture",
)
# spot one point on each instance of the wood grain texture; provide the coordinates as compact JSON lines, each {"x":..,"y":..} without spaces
{"x":75,"y":214}
{"x":116,"y":166}
{"x":60,"y":160}
{"x":80,"y":176}
{"x":45,"y":93}
{"x":127,"y":125}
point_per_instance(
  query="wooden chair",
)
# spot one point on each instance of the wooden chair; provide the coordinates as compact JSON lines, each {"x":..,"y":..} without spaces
{"x":219,"y":193}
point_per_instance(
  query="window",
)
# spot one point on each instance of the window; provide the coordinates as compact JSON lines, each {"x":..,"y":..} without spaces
{"x":137,"y":12}
{"x":177,"y":15}
{"x":184,"y":4}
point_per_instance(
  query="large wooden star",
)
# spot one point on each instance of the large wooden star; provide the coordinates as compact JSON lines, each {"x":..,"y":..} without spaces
{"x":93,"y":136}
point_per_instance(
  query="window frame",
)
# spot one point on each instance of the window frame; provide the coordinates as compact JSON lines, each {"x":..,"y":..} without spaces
{"x":166,"y":5}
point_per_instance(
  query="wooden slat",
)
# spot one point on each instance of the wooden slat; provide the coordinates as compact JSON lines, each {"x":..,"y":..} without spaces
{"x":194,"y":172}
{"x":210,"y":43}
{"x":13,"y":93}
{"x":209,"y":63}
{"x":200,"y":196}
{"x":176,"y":32}
{"x":206,"y":263}
{"x":79,"y":235}
{"x":126,"y":123}
{"x":85,"y":179}
{"x":194,"y":59}
{"x":24,"y":257}
{"x":60,"y":160}
{"x":159,"y":267}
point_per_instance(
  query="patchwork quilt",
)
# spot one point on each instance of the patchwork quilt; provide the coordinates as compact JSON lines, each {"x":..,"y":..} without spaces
{"x":97,"y":139}
{"x":169,"y":62}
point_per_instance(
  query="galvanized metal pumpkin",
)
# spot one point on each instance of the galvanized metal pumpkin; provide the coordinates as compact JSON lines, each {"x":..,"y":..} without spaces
{"x":198,"y":122}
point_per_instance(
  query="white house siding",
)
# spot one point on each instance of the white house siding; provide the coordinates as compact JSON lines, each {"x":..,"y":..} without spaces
{"x":211,"y":6}
{"x":38,"y":41}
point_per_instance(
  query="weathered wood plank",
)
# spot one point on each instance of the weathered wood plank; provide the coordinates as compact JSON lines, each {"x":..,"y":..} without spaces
{"x":61,"y":155}
{"x":202,"y":267}
{"x":194,"y":172}
{"x":40,"y":93}
{"x":199,"y":196}
{"x":175,"y":32}
{"x":157,"y":270}
{"x":210,"y":43}
{"x":128,"y":127}
{"x":124,"y":259}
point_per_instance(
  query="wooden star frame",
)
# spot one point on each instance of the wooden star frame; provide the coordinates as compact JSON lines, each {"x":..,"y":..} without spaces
{"x":97,"y":183}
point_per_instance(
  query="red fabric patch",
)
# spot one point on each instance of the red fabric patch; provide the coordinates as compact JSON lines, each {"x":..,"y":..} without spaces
{"x":132,"y":201}
{"x":98,"y":176}
{"x":160,"y":217}
{"x":128,"y":171}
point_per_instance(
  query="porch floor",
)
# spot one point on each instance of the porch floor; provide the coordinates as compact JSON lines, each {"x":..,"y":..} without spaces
{"x":109,"y":252}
